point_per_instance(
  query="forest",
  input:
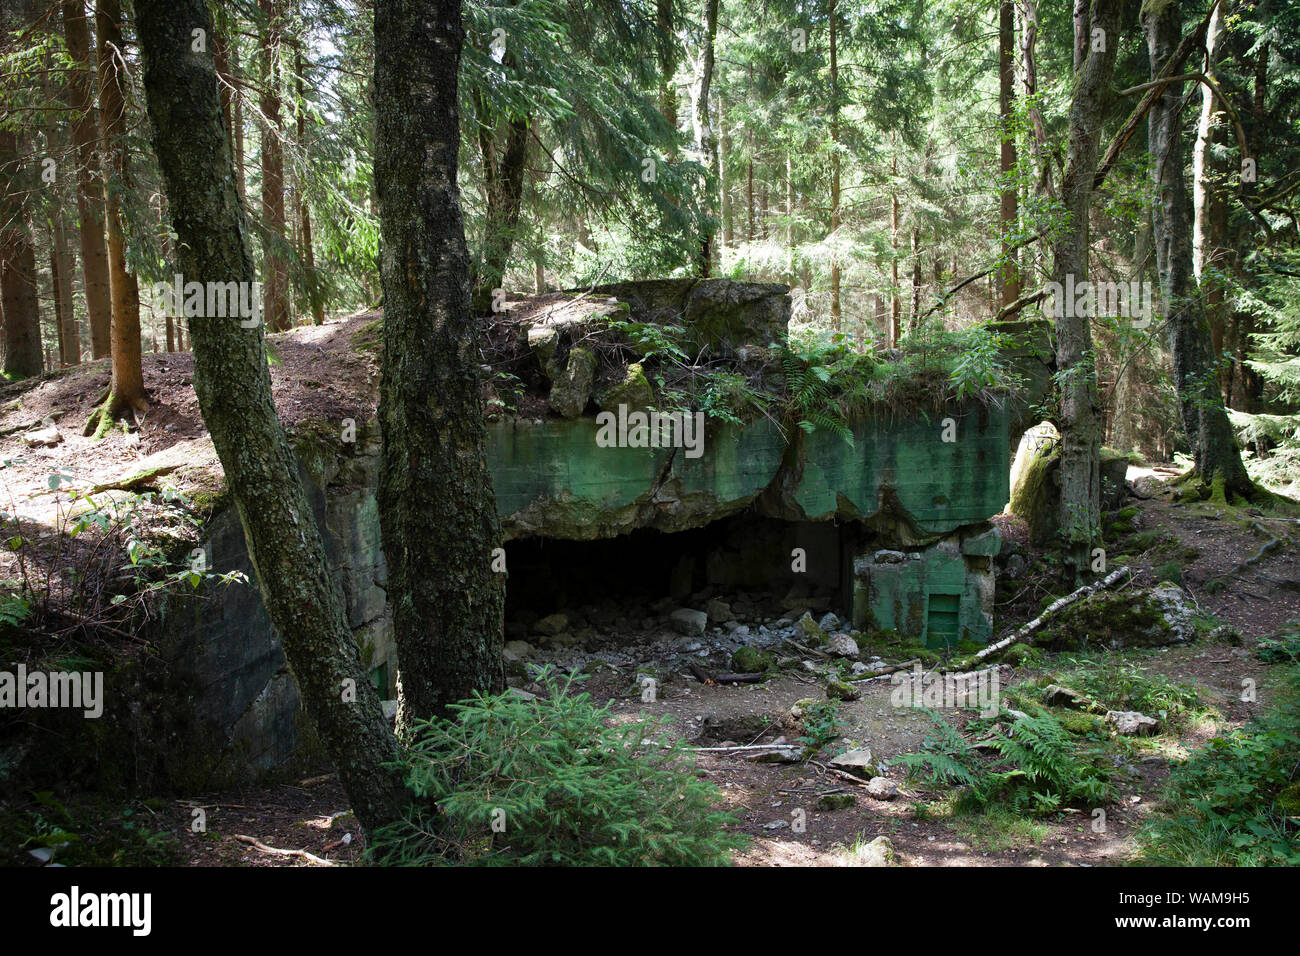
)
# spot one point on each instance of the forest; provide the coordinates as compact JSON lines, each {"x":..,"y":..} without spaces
{"x":649,"y":432}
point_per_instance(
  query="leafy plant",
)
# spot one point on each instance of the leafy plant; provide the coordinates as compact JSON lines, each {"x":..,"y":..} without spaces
{"x":509,"y":781}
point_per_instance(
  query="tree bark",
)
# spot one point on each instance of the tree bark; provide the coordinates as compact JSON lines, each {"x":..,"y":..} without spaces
{"x":126,"y":388}
{"x":1009,"y":207}
{"x":275,"y":289}
{"x":1080,"y":414}
{"x":233,"y":386}
{"x":1214,"y":446}
{"x":315,"y":293}
{"x":1210,"y":253}
{"x":437,"y":508}
{"x":706,"y":140}
{"x":836,"y":317}
{"x":90,"y":184}
{"x":503,"y":181}
{"x":62,"y":266}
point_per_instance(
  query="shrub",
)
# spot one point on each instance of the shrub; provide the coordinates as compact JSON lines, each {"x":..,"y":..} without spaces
{"x":510,"y":781}
{"x":1233,"y":802}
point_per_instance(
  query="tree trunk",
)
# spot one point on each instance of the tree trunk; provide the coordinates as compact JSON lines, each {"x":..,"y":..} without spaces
{"x":1211,"y":257}
{"x":503,"y":181}
{"x":90,"y":184}
{"x":706,"y":142}
{"x":836,"y":318}
{"x":1080,"y":415}
{"x":437,"y":508}
{"x":62,"y":265}
{"x":315,"y":293}
{"x":1009,"y":209}
{"x":233,"y":386}
{"x":126,"y":395}
{"x":18,"y":297}
{"x":275,"y":291}
{"x":1206,"y":422}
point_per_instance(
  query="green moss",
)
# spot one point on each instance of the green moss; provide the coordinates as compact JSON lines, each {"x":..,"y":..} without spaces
{"x":750,"y":660}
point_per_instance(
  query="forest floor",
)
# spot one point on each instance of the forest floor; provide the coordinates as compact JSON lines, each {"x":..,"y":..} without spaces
{"x":320,"y":373}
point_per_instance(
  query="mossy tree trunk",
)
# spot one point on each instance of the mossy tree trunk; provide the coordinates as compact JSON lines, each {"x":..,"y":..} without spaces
{"x":90,"y":187}
{"x":1096,"y":42}
{"x":437,"y":508}
{"x":234,"y":390}
{"x":1205,"y":420}
{"x":126,"y":389}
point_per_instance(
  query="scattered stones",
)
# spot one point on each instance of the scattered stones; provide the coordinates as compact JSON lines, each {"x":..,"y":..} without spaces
{"x":1131,"y":723}
{"x":689,"y":622}
{"x":858,"y":762}
{"x":882,"y":788}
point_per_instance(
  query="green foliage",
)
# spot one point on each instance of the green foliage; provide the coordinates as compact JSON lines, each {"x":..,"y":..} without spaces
{"x":1118,"y":684}
{"x":821,"y":723}
{"x":1038,"y":766}
{"x":1232,"y":803}
{"x":564,"y":786}
{"x":1282,"y":649}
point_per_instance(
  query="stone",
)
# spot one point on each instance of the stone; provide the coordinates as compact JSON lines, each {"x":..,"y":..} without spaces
{"x":829,"y":622}
{"x":885,"y":556}
{"x":858,"y":762}
{"x":552,"y":624}
{"x":719,"y":612}
{"x":841,"y":645}
{"x":518,"y":650}
{"x":634,"y":392}
{"x":1131,"y":723}
{"x":785,"y":753}
{"x":834,"y":801}
{"x":810,"y":632}
{"x":837,"y":689}
{"x":750,"y":660}
{"x":688,"y":622}
{"x":1147,"y":486}
{"x":389,"y":709}
{"x":879,"y":852}
{"x":882,"y":788}
{"x":1139,"y":617}
{"x":1054,"y":695}
{"x":42,"y":437}
{"x":571,"y":391}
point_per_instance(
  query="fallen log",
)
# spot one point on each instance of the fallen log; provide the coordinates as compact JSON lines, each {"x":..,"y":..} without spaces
{"x":1027,"y":630}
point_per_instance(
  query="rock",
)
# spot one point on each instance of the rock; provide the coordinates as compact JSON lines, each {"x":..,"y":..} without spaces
{"x":834,"y":801}
{"x":543,"y":340}
{"x":750,"y":660}
{"x":389,"y":709}
{"x":1014,"y":567}
{"x":1130,"y":723}
{"x":841,"y":645}
{"x":552,"y":624}
{"x":689,"y":622}
{"x":42,"y":437}
{"x":571,"y":391}
{"x":518,"y":650}
{"x":879,"y":852}
{"x":1147,"y":486}
{"x":858,"y":762}
{"x":889,"y":557}
{"x":809,"y":630}
{"x":837,"y":689}
{"x":1054,"y":695}
{"x":522,"y":694}
{"x":634,"y":392}
{"x":882,"y":788}
{"x":829,"y":622}
{"x":719,"y":612}
{"x":1140,"y":617}
{"x":1225,"y":634}
{"x":786,"y":753}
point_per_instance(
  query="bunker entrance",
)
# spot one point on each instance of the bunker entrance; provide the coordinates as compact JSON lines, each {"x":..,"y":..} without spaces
{"x":740,"y":568}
